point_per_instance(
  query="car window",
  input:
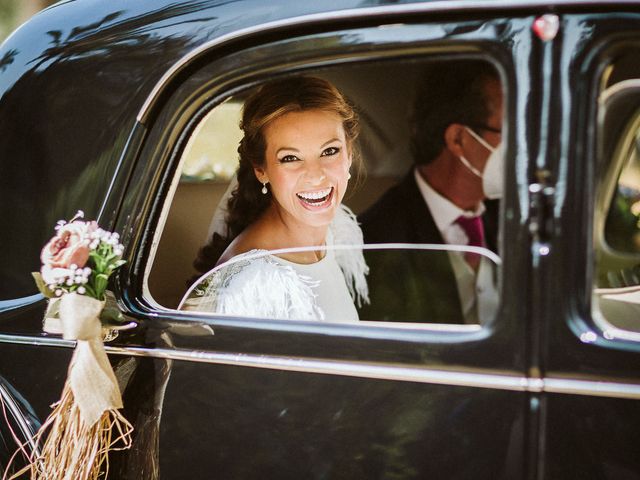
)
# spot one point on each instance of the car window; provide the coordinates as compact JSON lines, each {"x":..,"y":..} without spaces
{"x":616,"y":294}
{"x":211,"y":155}
{"x":427,"y":280}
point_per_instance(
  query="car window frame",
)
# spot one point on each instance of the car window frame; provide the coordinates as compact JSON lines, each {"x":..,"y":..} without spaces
{"x":479,"y":46}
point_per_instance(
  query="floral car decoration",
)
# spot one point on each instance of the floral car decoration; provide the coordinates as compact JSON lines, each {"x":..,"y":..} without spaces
{"x":79,"y":258}
{"x":85,"y":424}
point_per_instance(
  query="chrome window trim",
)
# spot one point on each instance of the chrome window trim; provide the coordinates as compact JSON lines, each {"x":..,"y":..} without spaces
{"x":592,"y":388}
{"x":616,"y":88}
{"x":394,"y":372}
{"x":349,"y":368}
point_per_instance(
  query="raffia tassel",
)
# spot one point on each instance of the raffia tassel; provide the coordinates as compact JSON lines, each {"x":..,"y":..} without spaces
{"x":74,"y":451}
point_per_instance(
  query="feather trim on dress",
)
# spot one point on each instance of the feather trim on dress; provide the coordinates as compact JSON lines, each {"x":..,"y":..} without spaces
{"x":345,"y":231}
{"x":254,"y":284}
{"x":257,"y":287}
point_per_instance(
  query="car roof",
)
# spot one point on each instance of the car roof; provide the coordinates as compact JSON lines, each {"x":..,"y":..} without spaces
{"x":100,"y":62}
{"x":74,"y":26}
{"x":88,"y":27}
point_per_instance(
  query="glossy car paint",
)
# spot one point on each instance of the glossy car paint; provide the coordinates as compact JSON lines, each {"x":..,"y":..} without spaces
{"x":93,"y":99}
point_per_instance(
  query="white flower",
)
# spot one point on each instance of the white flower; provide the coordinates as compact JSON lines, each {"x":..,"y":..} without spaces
{"x":58,"y":293}
{"x":79,"y":214}
{"x":53,"y":276}
{"x":81,"y":290}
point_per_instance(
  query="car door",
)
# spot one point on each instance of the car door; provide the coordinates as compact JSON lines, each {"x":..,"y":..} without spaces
{"x":236,"y":397}
{"x":251,"y":397}
{"x":591,"y":331}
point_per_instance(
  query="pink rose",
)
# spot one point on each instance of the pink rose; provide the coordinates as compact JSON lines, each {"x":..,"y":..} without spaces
{"x":69,"y":247}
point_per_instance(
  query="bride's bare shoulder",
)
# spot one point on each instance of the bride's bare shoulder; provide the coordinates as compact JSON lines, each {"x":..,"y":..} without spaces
{"x":251,"y":238}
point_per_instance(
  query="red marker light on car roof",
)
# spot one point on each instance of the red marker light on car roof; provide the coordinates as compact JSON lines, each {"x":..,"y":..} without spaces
{"x":546,"y":26}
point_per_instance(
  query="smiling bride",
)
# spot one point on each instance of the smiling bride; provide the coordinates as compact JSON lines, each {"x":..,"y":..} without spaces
{"x":273,"y":256}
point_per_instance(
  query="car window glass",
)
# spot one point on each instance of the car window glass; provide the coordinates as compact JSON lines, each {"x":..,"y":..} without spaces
{"x":622,"y":232}
{"x":443,"y":281}
{"x":616,"y":293}
{"x":279,"y":285}
{"x":212,"y":153}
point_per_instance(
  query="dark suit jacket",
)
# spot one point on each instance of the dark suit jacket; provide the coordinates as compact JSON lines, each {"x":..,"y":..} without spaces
{"x":407,"y":285}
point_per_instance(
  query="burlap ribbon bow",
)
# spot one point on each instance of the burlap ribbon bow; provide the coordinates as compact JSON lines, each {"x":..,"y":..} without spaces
{"x":85,"y":424}
{"x":91,"y":377}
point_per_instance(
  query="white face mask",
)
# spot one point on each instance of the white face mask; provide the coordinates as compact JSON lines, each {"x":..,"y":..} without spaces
{"x":493,"y":175}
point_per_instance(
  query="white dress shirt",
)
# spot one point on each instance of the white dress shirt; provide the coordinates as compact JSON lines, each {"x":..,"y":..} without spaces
{"x":477,"y":290}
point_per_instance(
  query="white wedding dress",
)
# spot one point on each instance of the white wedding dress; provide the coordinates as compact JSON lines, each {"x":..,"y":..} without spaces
{"x":260,"y":284}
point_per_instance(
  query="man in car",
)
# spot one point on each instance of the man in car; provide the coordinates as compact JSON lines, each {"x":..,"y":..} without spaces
{"x":448,"y":197}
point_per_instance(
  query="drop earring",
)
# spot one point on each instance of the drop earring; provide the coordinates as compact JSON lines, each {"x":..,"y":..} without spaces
{"x":348,"y":175}
{"x":264,"y":188}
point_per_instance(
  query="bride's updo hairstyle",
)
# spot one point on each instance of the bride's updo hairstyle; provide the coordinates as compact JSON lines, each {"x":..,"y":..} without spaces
{"x":269,"y":102}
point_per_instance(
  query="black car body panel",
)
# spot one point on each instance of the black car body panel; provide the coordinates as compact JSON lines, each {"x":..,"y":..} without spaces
{"x":95,"y":100}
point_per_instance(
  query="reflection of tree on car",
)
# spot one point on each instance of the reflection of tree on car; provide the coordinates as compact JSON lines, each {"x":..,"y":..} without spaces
{"x":622,"y":230}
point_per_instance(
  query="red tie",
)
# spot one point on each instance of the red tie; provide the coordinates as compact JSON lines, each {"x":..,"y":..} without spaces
{"x":474,"y":229}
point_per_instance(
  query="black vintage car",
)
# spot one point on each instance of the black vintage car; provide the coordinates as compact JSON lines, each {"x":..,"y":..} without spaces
{"x":128,"y":110}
